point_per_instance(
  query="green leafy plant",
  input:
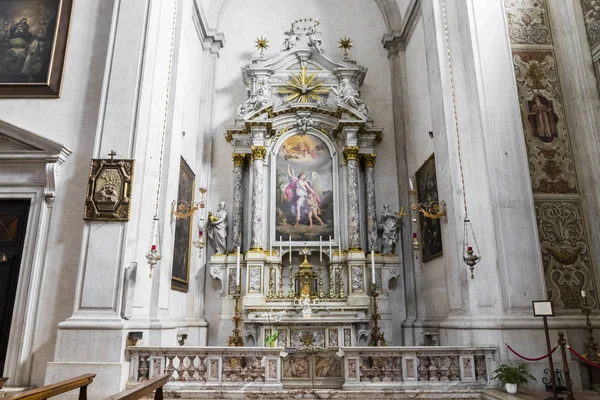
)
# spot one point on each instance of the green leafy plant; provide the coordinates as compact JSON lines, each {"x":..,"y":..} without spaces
{"x":272,"y":338}
{"x":513,"y":374}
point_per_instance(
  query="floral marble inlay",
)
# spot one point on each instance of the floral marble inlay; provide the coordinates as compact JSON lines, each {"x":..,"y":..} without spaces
{"x":357,"y":279}
{"x":352,"y":369}
{"x":254,"y":280}
{"x":333,"y":338}
{"x":347,"y":337}
{"x":567,"y":264}
{"x":214,"y":370}
{"x":410,"y":369}
{"x":591,"y":12}
{"x":299,"y":338}
{"x":231,"y":280}
{"x":528,"y":21}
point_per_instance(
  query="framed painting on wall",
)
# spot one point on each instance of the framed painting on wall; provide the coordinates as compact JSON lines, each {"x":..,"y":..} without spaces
{"x":304,"y":190}
{"x":431,"y":230}
{"x":33,"y":45}
{"x":180,"y":274}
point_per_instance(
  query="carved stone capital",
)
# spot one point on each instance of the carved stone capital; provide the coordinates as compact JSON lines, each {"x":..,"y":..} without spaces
{"x":239,"y":159}
{"x":350,"y":153}
{"x":369,"y":160}
{"x":259,"y":152}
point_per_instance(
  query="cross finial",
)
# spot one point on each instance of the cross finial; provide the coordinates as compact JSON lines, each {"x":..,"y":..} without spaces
{"x":112,"y":154}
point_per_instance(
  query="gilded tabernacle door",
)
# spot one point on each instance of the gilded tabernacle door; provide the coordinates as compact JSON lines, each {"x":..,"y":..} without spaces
{"x":305,"y":189}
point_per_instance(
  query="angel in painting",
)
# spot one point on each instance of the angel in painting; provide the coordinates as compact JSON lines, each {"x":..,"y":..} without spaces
{"x":303,"y":198}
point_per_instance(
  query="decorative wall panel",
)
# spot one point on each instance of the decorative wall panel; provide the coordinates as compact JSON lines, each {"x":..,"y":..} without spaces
{"x":548,"y":145}
{"x":528,"y":21}
{"x":567,"y":262}
{"x":561,"y":225}
{"x":591,"y":14}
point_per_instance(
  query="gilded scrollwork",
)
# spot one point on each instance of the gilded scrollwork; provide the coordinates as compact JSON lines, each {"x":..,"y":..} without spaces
{"x":528,"y":21}
{"x":565,"y":254}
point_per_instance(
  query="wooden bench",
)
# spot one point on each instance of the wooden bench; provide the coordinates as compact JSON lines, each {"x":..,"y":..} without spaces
{"x":2,"y":382}
{"x":144,"y":389}
{"x":80,"y":382}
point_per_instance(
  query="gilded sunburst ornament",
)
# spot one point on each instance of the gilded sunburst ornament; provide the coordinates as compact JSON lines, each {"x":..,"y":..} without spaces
{"x":345,"y":44}
{"x":303,"y":87}
{"x":261,"y":44}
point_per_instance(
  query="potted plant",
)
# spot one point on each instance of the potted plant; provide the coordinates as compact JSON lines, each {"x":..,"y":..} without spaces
{"x":272,"y":338}
{"x":510,"y":376}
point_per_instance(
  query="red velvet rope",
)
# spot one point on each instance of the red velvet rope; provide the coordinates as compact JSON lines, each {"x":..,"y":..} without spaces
{"x":532,"y":359}
{"x":582,"y":358}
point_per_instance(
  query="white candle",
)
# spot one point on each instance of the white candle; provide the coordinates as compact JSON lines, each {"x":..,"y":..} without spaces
{"x":290,"y":251}
{"x":321,"y":248}
{"x":330,"y":251}
{"x":280,"y":249}
{"x":373,"y":266}
{"x":410,"y":184}
{"x":237,"y":275}
{"x":340,"y":248}
{"x":583,"y":293}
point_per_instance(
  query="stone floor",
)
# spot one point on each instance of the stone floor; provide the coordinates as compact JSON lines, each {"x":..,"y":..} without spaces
{"x":501,"y":395}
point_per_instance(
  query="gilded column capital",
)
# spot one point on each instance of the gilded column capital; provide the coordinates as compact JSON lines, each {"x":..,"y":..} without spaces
{"x":350,"y":153}
{"x":369,"y":160}
{"x":239,"y":159}
{"x":259,"y":152}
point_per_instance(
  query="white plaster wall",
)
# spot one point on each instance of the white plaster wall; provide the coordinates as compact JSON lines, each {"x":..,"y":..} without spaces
{"x":419,"y":147}
{"x":242,"y":22}
{"x":70,"y":120}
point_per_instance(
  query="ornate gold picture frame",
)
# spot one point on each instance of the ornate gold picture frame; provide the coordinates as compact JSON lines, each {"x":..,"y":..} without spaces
{"x":182,"y":243}
{"x":33,"y":46}
{"x":108,"y":195}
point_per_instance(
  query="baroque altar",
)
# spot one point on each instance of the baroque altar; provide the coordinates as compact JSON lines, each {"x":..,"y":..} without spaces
{"x":305,"y":251}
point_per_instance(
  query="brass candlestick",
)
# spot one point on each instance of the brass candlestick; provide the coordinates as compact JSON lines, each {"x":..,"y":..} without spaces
{"x":271,"y":292}
{"x":377,"y":338}
{"x":321,"y":293}
{"x":341,"y":282}
{"x":291,"y":293}
{"x":331,"y":281}
{"x":280,"y":292}
{"x":591,"y":344}
{"x":235,"y":339}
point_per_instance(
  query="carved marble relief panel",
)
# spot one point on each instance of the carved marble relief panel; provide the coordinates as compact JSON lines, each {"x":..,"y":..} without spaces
{"x":347,"y":337}
{"x":528,"y":21}
{"x":591,"y":14}
{"x":565,"y":252}
{"x":333,"y":337}
{"x":551,"y":163}
{"x":254,"y":281}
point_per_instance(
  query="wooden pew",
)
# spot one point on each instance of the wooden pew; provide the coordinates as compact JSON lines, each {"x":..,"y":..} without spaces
{"x":80,"y":382}
{"x":2,"y":382}
{"x":144,"y":389}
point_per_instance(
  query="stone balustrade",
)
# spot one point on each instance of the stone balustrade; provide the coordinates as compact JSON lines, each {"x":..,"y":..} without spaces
{"x":195,"y":368}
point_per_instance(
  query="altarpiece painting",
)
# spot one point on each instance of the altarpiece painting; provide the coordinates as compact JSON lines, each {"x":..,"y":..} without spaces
{"x":427,"y":192}
{"x":304,"y":190}
{"x":33,"y":43}
{"x":180,"y":274}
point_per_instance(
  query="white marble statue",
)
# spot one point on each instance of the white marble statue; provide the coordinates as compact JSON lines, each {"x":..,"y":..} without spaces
{"x":348,"y":95}
{"x":260,"y":98}
{"x":303,"y":123}
{"x":388,"y":224}
{"x":306,"y":310}
{"x":291,"y":38}
{"x":313,"y":42}
{"x":217,"y":229}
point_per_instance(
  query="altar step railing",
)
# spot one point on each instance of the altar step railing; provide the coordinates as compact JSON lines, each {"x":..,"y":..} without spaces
{"x":251,"y":368}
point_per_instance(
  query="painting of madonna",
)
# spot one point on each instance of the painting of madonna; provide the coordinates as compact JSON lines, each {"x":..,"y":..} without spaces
{"x":304,"y":198}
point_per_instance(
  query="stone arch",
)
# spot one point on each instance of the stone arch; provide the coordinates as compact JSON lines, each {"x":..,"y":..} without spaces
{"x":389,"y":11}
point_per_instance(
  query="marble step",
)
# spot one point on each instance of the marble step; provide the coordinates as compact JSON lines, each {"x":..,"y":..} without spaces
{"x":324,"y":394}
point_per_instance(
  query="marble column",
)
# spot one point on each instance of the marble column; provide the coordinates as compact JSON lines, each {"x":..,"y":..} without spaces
{"x":369,"y":160}
{"x":239,"y":161}
{"x":351,"y":158}
{"x":258,"y":157}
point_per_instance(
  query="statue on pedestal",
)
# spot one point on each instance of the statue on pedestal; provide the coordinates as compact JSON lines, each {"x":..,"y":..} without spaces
{"x":257,"y":100}
{"x":388,"y":224}
{"x":306,"y":310}
{"x":217,"y":229}
{"x":350,"y":96}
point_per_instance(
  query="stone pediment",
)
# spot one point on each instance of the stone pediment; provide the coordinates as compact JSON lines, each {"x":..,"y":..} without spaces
{"x":19,"y":144}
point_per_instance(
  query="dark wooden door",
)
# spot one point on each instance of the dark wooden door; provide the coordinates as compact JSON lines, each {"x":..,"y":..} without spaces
{"x":13,"y":221}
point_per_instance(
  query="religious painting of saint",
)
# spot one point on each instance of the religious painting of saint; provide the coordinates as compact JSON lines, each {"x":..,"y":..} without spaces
{"x":33,"y":42}
{"x":543,"y":119}
{"x":304,"y":189}
{"x":431,"y":230}
{"x":180,"y":273}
